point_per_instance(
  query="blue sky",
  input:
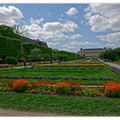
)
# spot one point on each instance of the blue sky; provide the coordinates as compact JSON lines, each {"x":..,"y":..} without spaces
{"x":67,"y":27}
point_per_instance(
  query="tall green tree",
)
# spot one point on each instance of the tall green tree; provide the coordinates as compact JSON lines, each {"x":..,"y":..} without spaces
{"x":35,"y":54}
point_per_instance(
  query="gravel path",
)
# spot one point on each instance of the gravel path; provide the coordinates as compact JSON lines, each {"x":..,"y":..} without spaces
{"x":111,"y":64}
{"x":9,"y":112}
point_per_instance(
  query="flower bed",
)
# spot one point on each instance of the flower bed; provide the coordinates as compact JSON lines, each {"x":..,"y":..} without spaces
{"x":57,"y":77}
{"x":116,"y":71}
{"x":71,"y":65}
{"x":111,"y":89}
{"x":6,"y":65}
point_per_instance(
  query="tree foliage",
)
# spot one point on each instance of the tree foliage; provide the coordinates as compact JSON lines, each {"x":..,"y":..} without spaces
{"x":35,"y":54}
{"x":10,"y":60}
{"x":111,"y":54}
{"x":64,"y":55}
{"x":44,"y":50}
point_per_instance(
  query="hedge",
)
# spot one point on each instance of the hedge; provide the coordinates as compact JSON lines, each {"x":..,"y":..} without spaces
{"x":9,"y":47}
{"x":71,"y":55}
{"x":44,"y":50}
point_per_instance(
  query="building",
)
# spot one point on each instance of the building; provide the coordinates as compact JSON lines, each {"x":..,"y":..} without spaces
{"x":38,"y":42}
{"x":91,"y":53}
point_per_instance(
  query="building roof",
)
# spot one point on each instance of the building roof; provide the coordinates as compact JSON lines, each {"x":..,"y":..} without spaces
{"x":94,"y":49}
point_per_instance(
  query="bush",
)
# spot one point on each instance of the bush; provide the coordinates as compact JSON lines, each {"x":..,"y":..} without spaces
{"x":10,"y":60}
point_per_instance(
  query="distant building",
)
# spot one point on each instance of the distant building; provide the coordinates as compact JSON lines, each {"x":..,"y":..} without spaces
{"x":91,"y":53}
{"x":37,"y":42}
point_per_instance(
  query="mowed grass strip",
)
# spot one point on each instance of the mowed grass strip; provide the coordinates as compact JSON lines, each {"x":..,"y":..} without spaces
{"x":76,"y":106}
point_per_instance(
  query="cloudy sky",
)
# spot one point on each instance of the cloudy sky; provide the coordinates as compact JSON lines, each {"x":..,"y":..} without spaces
{"x":67,"y":27}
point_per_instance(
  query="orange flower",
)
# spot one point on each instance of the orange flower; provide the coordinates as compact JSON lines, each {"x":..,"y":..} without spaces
{"x":19,"y":83}
{"x":112,"y":86}
{"x":62,"y":84}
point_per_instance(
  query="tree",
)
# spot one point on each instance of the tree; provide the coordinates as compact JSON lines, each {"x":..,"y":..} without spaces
{"x":62,"y":57}
{"x":35,"y":54}
{"x":111,"y":54}
{"x":20,"y":30}
{"x":47,"y":57}
{"x":10,"y":60}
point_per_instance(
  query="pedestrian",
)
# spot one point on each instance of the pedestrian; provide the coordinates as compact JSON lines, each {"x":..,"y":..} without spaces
{"x":59,"y":61}
{"x":30,"y":63}
{"x":24,"y":63}
{"x":34,"y":63}
{"x":51,"y":62}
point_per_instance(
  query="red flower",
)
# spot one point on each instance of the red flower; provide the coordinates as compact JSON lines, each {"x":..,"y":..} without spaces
{"x":46,"y":83}
{"x":86,"y":85}
{"x":70,"y":80}
{"x":77,"y":84}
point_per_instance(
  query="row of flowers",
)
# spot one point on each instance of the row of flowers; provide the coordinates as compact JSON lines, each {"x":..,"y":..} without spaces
{"x":70,"y":65}
{"x":84,"y":62}
{"x":117,"y":61}
{"x":111,"y":89}
{"x":5,"y":65}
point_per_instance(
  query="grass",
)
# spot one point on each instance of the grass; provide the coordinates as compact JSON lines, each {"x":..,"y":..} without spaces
{"x":77,"y":106}
{"x":116,"y":63}
{"x":64,"y":73}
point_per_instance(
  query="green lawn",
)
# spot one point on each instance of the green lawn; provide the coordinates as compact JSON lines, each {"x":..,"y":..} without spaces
{"x":97,"y":73}
{"x":77,"y":106}
{"x":115,"y":63}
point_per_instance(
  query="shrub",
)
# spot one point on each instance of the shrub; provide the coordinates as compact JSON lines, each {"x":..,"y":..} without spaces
{"x":10,"y":60}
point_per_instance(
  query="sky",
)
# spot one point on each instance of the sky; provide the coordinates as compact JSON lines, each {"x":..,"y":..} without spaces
{"x":67,"y":26}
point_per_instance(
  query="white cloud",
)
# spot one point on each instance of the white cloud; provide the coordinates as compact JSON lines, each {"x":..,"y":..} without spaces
{"x":53,"y":37}
{"x":113,"y":37}
{"x":75,"y":36}
{"x":103,"y":16}
{"x":37,"y":21}
{"x":9,"y":15}
{"x":67,"y":46}
{"x":87,"y":43}
{"x":72,"y":11}
{"x":53,"y":30}
{"x":33,"y":30}
{"x":98,"y":23}
{"x":112,"y":45}
{"x":53,"y":27}
{"x":53,"y":43}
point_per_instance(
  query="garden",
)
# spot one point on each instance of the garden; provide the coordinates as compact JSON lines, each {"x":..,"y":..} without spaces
{"x":71,"y":88}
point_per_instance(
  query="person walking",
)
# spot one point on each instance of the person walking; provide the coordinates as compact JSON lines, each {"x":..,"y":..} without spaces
{"x":24,"y":63}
